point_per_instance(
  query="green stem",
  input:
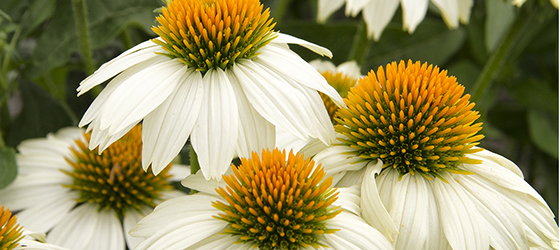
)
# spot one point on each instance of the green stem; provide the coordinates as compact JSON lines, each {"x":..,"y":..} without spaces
{"x":2,"y":143}
{"x":81,"y":20}
{"x":279,"y":10}
{"x":194,"y":161}
{"x":514,"y":36}
{"x":360,"y":46}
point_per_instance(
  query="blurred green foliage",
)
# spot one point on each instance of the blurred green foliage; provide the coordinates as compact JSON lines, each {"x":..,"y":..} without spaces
{"x":41,"y":66}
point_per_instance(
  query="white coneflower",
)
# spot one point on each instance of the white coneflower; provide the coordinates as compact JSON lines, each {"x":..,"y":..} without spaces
{"x":83,"y":199}
{"x":272,"y":201}
{"x":378,"y":13}
{"x":219,"y":74}
{"x":408,"y":136}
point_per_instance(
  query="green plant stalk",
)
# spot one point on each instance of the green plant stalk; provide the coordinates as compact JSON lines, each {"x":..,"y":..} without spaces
{"x":194,"y":161}
{"x":502,"y":53}
{"x":360,"y":45}
{"x":81,"y":20}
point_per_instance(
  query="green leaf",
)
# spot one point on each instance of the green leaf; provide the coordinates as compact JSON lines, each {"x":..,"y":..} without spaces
{"x":536,"y":94}
{"x":543,"y":131}
{"x":34,"y":15}
{"x":432,"y":42}
{"x":499,"y":16}
{"x":466,"y":72}
{"x":40,"y":115}
{"x":8,"y":166}
{"x":107,"y":19}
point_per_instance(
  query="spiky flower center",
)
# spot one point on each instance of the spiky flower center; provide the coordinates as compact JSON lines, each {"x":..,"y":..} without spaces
{"x":206,"y":34}
{"x":413,"y":117}
{"x":10,"y":231}
{"x":115,"y":179}
{"x":277,"y":203}
{"x":341,"y":83}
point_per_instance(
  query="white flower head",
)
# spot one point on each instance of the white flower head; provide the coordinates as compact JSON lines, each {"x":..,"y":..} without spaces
{"x":217,"y":74}
{"x":83,"y":199}
{"x":271,"y":201}
{"x":409,"y":137}
{"x":378,"y":13}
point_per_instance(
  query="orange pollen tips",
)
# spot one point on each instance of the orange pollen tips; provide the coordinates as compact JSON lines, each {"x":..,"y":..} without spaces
{"x":413,"y":117}
{"x":342,"y":84}
{"x":10,"y":231}
{"x":115,"y":179}
{"x":206,"y":34}
{"x":277,"y":203}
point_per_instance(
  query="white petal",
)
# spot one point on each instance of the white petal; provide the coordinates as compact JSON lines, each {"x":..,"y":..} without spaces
{"x":349,"y":199}
{"x":140,"y":94}
{"x":288,"y":141}
{"x":289,"y":65}
{"x":373,"y":210}
{"x":465,"y":10}
{"x":255,"y":132}
{"x":377,"y":14}
{"x":349,"y":68}
{"x":139,"y":53}
{"x":47,"y":211}
{"x":96,"y":107}
{"x":337,"y":159}
{"x":30,"y":189}
{"x":287,"y":39}
{"x":413,"y":13}
{"x":449,"y":11}
{"x":178,"y":172}
{"x":221,"y":241}
{"x":326,"y":8}
{"x":166,"y":129}
{"x":487,"y":155}
{"x":87,"y":228}
{"x":215,"y":135}
{"x":199,"y":183}
{"x":354,"y":233}
{"x":458,"y":216}
{"x":351,"y":178}
{"x":131,"y":218}
{"x":323,"y":65}
{"x":353,"y":7}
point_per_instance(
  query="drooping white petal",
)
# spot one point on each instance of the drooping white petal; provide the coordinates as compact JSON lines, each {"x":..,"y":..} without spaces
{"x":351,"y":178}
{"x":166,"y":129}
{"x":199,"y":183}
{"x":139,"y":53}
{"x":276,"y":101}
{"x":287,"y":39}
{"x":140,"y":94}
{"x":97,"y":106}
{"x":178,"y":172}
{"x":354,"y":233}
{"x":47,"y":211}
{"x":373,"y":210}
{"x":289,"y":65}
{"x":414,"y":12}
{"x":130,"y":220}
{"x":487,"y":155}
{"x":377,"y":14}
{"x":215,"y":135}
{"x":255,"y":132}
{"x":288,"y":141}
{"x":326,"y":8}
{"x":86,"y":228}
{"x":449,"y":11}
{"x":337,"y":159}
{"x":458,"y":216}
{"x":349,"y":199}
{"x":465,"y":7}
{"x":353,"y":7}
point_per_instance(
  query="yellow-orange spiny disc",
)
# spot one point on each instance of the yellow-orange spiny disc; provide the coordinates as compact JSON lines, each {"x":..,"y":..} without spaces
{"x":10,"y":231}
{"x":206,"y":34}
{"x":341,"y":83}
{"x":413,"y":117}
{"x":277,"y":203}
{"x":115,"y":179}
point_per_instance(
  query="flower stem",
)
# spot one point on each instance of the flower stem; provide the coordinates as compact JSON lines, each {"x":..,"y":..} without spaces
{"x":360,"y":46}
{"x":193,"y":161}
{"x":81,"y":20}
{"x":521,"y":32}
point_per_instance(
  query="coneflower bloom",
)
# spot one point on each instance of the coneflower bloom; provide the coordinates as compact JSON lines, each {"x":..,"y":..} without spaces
{"x":83,"y":199}
{"x":409,"y":137}
{"x":219,"y":74}
{"x":271,"y":201}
